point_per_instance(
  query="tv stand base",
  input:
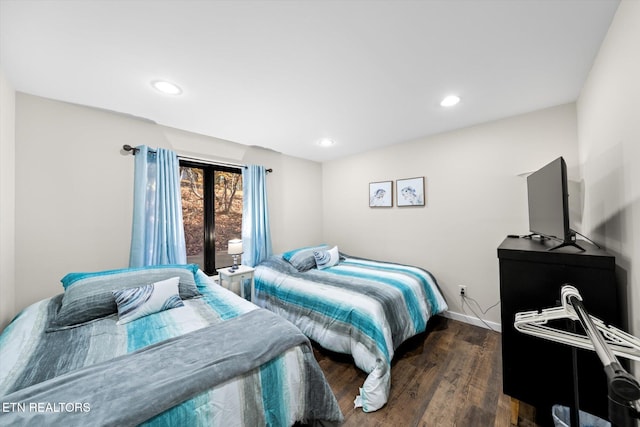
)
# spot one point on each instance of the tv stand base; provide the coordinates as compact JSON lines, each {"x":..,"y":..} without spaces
{"x":565,"y":243}
{"x":561,"y":245}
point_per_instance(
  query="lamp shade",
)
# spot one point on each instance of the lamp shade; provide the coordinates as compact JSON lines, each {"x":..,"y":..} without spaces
{"x":235,"y":247}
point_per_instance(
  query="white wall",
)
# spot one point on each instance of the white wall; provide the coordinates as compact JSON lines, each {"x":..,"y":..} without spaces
{"x":74,"y":189}
{"x":295,"y":202}
{"x":474,"y":198}
{"x":609,"y":145}
{"x":7,"y":201}
{"x":73,"y":186}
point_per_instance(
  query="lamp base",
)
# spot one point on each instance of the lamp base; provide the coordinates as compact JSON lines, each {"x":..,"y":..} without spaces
{"x":234,"y":267}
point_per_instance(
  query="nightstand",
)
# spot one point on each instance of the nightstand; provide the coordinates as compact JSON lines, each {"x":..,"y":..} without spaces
{"x":240,"y":275}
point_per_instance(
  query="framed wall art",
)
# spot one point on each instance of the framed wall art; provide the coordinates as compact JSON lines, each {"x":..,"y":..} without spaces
{"x":381,"y":194}
{"x":410,"y":192}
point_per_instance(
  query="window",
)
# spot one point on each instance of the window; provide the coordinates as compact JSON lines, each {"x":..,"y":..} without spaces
{"x":211,"y":211}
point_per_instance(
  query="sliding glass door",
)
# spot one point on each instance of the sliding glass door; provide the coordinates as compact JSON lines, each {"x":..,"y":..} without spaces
{"x":212,"y":212}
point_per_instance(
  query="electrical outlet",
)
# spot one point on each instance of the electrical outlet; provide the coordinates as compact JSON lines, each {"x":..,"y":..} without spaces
{"x":463,"y":290}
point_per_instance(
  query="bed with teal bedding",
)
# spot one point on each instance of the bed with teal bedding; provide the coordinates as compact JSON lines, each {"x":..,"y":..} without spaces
{"x":351,"y":305}
{"x":203,"y":357}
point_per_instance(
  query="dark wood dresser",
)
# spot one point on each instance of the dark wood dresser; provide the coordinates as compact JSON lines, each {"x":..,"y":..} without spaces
{"x":537,"y":371}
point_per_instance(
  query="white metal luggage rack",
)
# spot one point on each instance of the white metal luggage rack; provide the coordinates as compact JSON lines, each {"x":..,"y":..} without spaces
{"x":606,"y":341}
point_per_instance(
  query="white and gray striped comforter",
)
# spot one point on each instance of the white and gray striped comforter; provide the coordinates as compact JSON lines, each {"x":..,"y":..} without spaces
{"x":360,"y":307}
{"x":287,"y":389}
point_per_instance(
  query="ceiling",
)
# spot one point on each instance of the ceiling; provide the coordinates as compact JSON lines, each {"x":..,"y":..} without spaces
{"x":284,"y":74}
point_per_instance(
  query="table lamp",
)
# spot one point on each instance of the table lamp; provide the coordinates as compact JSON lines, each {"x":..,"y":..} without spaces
{"x":235,"y":250}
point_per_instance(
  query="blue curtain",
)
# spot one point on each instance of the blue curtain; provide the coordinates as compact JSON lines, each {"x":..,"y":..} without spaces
{"x":256,"y":237}
{"x":157,"y":235}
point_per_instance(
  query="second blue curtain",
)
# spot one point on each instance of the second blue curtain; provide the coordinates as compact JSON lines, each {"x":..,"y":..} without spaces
{"x":256,"y":236}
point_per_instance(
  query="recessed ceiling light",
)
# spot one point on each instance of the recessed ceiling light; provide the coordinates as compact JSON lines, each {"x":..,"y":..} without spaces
{"x":326,"y":142}
{"x":450,"y":101}
{"x":166,"y":87}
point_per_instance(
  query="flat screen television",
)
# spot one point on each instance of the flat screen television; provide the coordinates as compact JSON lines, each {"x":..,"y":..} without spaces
{"x":548,"y":196}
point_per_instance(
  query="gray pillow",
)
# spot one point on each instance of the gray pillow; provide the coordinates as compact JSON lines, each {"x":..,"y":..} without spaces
{"x":89,"y":296}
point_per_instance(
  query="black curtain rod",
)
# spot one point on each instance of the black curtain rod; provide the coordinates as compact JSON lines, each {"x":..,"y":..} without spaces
{"x":134,"y":151}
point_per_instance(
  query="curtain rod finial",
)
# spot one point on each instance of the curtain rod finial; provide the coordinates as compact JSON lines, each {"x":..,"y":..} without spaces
{"x":127,"y":147}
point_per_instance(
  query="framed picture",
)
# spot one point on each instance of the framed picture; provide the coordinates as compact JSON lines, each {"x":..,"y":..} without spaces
{"x":410,"y":192}
{"x":381,"y":194}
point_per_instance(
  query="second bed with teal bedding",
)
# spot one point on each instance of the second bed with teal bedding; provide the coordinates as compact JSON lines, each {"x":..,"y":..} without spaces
{"x":355,"y":306}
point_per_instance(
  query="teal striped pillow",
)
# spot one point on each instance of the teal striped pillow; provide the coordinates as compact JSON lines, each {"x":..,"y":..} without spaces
{"x":302,"y":259}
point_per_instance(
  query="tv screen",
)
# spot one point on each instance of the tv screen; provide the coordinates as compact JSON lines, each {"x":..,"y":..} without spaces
{"x":549,"y":201}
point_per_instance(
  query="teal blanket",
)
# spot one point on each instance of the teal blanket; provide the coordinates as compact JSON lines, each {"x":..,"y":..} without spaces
{"x":167,"y":373}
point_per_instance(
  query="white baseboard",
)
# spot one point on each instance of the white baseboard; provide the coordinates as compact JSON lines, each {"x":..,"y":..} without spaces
{"x":473,"y":320}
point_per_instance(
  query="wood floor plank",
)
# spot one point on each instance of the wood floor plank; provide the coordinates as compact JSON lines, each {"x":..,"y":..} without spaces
{"x":451,"y":375}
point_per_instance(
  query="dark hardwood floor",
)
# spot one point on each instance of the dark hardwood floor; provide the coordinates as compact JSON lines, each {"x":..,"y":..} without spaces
{"x":451,"y":375}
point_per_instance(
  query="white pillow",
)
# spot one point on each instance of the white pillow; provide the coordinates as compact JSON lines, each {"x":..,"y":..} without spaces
{"x":134,"y":303}
{"x":327,"y":258}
